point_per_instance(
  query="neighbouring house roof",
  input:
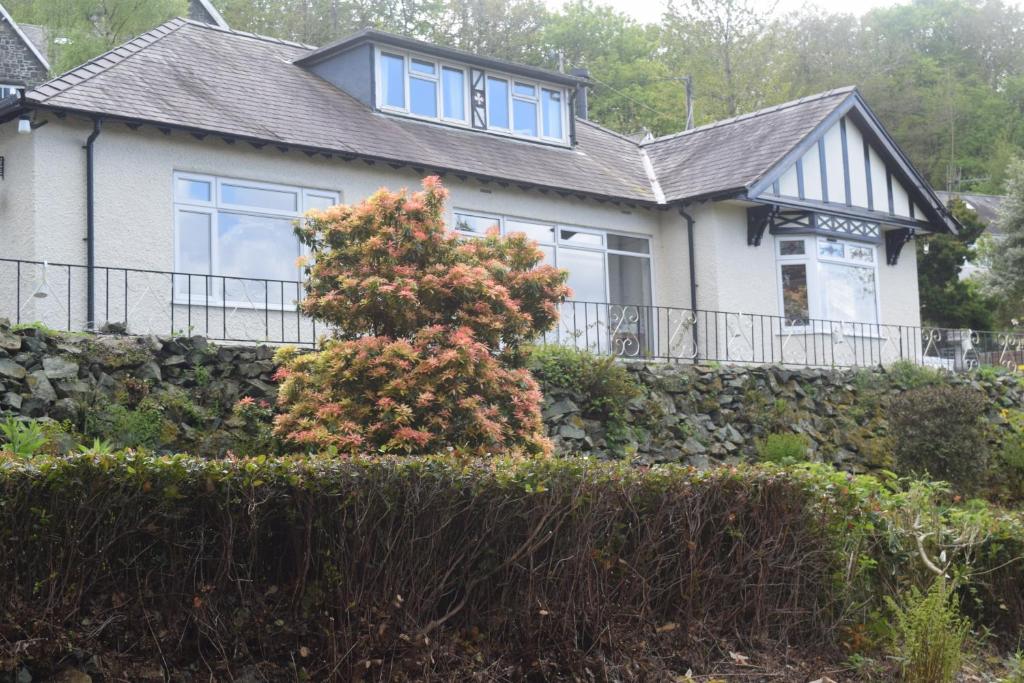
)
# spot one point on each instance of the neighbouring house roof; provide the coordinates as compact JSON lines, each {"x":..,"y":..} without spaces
{"x":985,"y":205}
{"x":37,"y":50}
{"x":204,"y":79}
{"x":203,"y":10}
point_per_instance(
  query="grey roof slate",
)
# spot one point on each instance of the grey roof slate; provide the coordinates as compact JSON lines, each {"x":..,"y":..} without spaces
{"x":985,"y":205}
{"x":196,"y":76}
{"x":732,"y":154}
{"x":191,"y":75}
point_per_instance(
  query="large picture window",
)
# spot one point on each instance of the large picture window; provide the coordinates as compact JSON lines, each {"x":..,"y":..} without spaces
{"x":827,"y":278}
{"x":604,"y":267}
{"x":243,"y":231}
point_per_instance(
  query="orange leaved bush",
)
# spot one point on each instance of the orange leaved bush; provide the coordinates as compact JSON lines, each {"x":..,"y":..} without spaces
{"x":429,"y":333}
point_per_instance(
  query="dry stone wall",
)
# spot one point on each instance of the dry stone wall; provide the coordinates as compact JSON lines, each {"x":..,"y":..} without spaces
{"x":700,"y":415}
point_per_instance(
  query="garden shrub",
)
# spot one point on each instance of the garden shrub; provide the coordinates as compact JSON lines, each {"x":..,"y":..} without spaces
{"x":603,"y":385}
{"x":783,"y":449}
{"x":930,"y":634}
{"x":428,"y":351}
{"x":939,"y":431}
{"x":1010,"y":461}
{"x":22,"y":438}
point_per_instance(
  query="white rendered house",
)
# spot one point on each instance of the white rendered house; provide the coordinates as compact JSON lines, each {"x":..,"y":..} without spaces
{"x":159,"y":182}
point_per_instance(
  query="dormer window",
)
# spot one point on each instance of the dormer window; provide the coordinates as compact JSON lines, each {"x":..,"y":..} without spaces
{"x":422,"y":86}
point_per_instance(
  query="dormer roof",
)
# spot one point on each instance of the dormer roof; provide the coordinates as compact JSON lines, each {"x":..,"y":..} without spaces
{"x":36,"y":50}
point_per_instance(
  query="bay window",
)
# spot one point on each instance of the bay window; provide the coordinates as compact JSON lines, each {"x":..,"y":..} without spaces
{"x":827,"y":278}
{"x":242,"y":233}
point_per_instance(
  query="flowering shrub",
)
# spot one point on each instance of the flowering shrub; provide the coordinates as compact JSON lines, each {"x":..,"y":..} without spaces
{"x":428,"y":352}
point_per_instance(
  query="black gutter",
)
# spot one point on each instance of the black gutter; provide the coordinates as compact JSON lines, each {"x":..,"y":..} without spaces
{"x":693,"y":274}
{"x":90,"y":229}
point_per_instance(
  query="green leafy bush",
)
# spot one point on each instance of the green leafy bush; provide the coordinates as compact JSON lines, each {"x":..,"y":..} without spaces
{"x":930,"y":634}
{"x":24,"y":439}
{"x":603,"y":385}
{"x":910,"y":375}
{"x":430,"y":329}
{"x":939,"y":431}
{"x":783,"y":449}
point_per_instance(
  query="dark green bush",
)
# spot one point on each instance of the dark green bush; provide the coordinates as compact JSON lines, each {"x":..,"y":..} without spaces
{"x":939,"y":431}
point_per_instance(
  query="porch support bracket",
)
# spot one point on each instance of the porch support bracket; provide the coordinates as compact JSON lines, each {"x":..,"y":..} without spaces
{"x":758,"y":220}
{"x":894,"y":243}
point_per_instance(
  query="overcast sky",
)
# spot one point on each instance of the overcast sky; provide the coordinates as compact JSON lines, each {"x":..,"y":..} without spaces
{"x":651,"y":10}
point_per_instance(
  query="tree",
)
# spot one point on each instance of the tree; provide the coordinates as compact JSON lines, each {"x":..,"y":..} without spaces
{"x":430,"y":329}
{"x":1005,"y":279}
{"x":946,"y":300}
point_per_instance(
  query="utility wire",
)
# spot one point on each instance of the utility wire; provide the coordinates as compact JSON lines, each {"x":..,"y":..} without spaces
{"x":631,"y":99}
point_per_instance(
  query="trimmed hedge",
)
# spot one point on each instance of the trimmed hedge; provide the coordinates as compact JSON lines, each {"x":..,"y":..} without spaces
{"x":436,"y":568}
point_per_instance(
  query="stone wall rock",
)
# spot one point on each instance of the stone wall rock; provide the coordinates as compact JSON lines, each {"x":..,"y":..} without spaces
{"x":695,"y":414}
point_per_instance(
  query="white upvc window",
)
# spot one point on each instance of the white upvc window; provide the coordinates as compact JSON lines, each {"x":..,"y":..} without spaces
{"x":604,"y":267}
{"x":234,"y":240}
{"x":826,"y":278}
{"x":423,"y":87}
{"x":6,"y":90}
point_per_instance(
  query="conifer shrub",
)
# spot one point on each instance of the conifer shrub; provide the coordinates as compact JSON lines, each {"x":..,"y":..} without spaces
{"x":430,"y":328}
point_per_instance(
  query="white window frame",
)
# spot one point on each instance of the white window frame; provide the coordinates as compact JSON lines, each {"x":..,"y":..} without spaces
{"x":214,"y":208}
{"x":511,"y":79}
{"x":557,"y":244}
{"x":816,"y":294}
{"x":439,"y":66}
{"x":10,"y":87}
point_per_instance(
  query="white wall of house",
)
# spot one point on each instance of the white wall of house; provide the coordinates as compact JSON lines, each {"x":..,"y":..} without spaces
{"x":43,"y":212}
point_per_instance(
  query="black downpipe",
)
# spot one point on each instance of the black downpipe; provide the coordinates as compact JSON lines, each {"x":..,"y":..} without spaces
{"x":693,"y":276}
{"x":90,"y":227}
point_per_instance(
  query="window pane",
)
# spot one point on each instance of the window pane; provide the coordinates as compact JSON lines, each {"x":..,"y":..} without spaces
{"x":541,"y":233}
{"x":552,"y":106}
{"x":259,"y":197}
{"x":423,"y":97}
{"x":422,"y":67}
{"x":256,"y":246}
{"x":629,"y":280}
{"x":193,"y":252}
{"x":830,"y":248}
{"x":524,"y":89}
{"x":791,"y":248}
{"x":860,"y":252}
{"x":849,"y":292}
{"x":320,"y":201}
{"x":576,"y":237}
{"x":586,"y":274}
{"x":497,"y":102}
{"x":192,"y":190}
{"x":478,"y":225}
{"x":393,"y":80}
{"x":794,"y":294}
{"x":454,"y":88}
{"x":525,"y":115}
{"x":638,"y":245}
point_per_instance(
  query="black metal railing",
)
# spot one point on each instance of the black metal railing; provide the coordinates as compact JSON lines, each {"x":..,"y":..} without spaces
{"x":240,"y":309}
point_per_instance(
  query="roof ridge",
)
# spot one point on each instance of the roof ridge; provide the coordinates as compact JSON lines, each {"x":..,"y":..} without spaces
{"x":973,"y":194}
{"x":107,"y":60}
{"x":248,"y":34}
{"x":754,"y":114}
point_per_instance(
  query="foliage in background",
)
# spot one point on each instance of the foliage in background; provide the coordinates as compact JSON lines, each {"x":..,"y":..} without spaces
{"x":603,"y":386}
{"x":946,"y":300}
{"x":430,"y":329}
{"x":930,"y":634}
{"x":938,"y":431}
{"x":22,"y":438}
{"x":1005,"y":279}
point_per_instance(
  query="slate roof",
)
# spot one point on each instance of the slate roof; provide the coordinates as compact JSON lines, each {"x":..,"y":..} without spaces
{"x":985,"y":205}
{"x":190,"y":75}
{"x":732,"y":154}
